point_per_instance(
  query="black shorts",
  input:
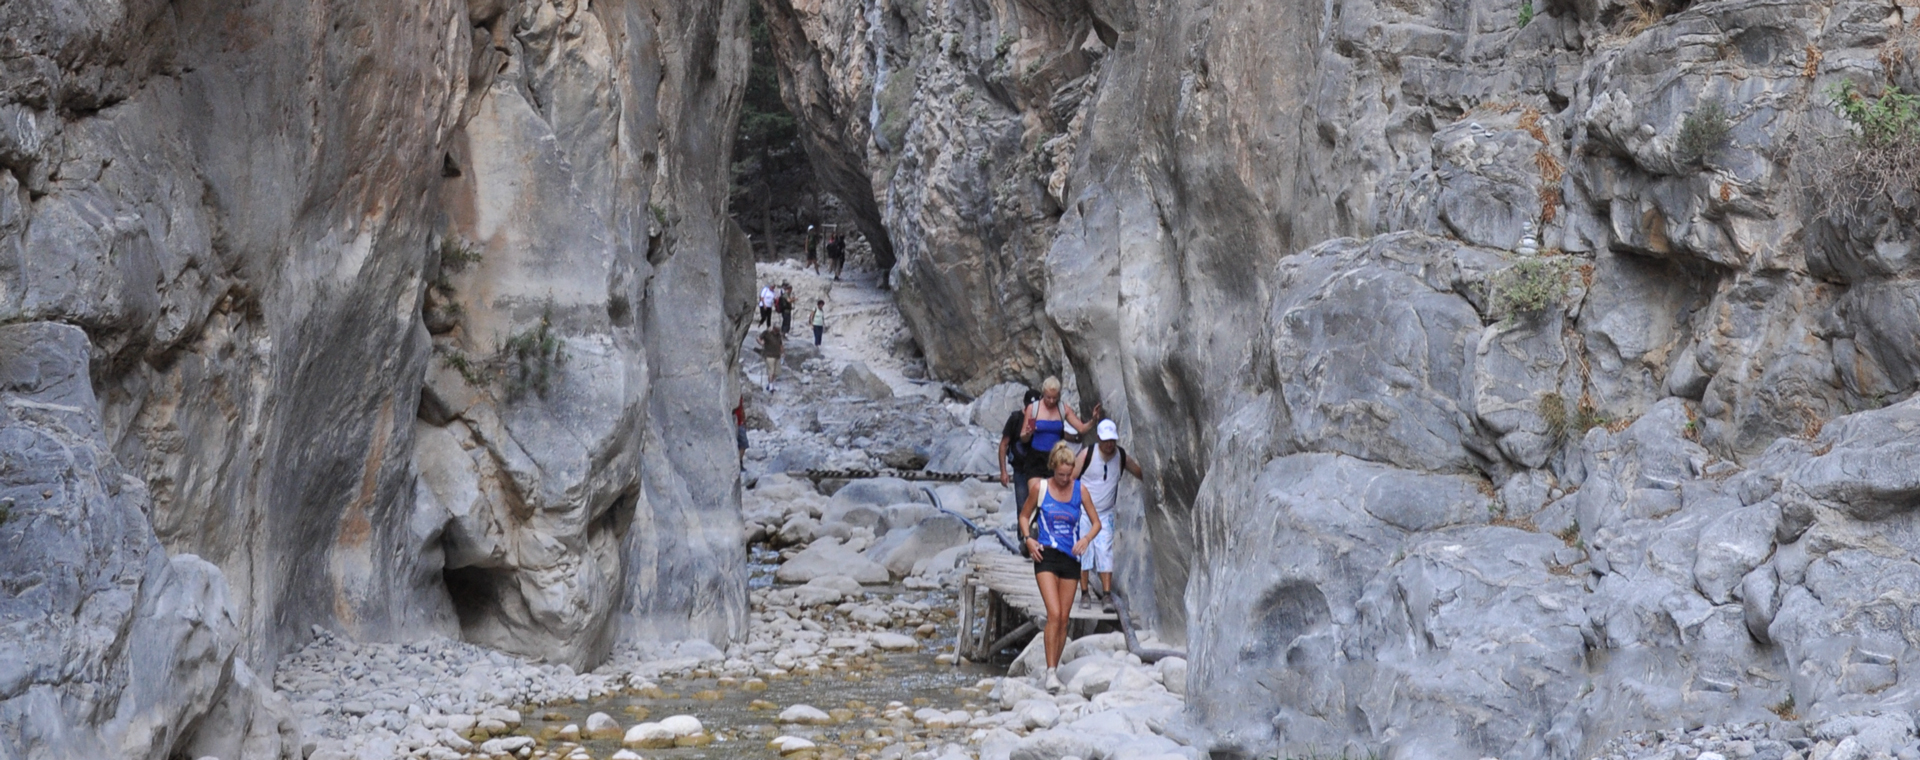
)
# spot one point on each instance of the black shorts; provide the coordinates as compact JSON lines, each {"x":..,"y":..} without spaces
{"x":1057,"y":562}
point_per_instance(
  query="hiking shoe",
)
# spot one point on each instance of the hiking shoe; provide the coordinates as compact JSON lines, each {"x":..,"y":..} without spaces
{"x":1053,"y":682}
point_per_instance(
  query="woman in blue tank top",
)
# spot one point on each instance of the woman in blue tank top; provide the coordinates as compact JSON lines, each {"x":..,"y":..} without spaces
{"x":1054,"y":543}
{"x":1048,"y":422}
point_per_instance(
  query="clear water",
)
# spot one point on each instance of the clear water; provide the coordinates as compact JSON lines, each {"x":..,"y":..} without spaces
{"x":742,"y":731}
{"x":741,"y":728}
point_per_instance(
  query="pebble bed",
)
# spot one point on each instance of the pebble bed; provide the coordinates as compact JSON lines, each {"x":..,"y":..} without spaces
{"x":830,"y":670}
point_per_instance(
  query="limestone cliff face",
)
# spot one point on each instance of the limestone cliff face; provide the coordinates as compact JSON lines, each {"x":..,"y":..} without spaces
{"x":947,"y":128}
{"x":1388,"y":511}
{"x":263,"y":219}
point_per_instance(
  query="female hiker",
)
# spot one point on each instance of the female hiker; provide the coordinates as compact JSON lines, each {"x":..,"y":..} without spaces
{"x":1048,"y":420}
{"x":1059,"y":501}
{"x":819,"y":321}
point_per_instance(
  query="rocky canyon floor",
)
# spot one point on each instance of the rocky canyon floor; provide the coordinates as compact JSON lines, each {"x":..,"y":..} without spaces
{"x":852,"y":587}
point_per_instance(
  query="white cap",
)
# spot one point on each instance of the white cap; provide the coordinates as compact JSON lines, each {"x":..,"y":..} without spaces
{"x":1109,"y":431}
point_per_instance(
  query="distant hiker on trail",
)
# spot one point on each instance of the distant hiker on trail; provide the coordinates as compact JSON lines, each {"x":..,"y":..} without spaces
{"x":1049,"y":422}
{"x":783,"y":303}
{"x":1054,"y":543}
{"x":1099,"y":469}
{"x":837,"y":253}
{"x":1015,"y":455}
{"x":772,"y":345}
{"x":819,"y":322}
{"x":767,"y":297}
{"x":740,"y":429}
{"x":813,"y":251}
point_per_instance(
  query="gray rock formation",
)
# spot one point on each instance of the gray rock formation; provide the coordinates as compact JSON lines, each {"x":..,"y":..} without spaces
{"x":411,"y":319}
{"x":1476,"y":500}
{"x":114,"y":648}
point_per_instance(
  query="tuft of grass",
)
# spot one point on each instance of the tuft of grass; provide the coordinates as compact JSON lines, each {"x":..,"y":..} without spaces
{"x":1570,"y":534}
{"x":1641,"y":15}
{"x":1553,"y":409}
{"x":1526,"y":13}
{"x":470,"y":372}
{"x":1586,"y":417}
{"x":533,"y":357}
{"x":1785,"y":709}
{"x":456,"y":254}
{"x":1706,"y":130}
{"x":6,"y":510}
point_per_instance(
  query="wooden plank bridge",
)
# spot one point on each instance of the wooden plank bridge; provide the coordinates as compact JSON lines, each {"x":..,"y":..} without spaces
{"x":1000,"y":604}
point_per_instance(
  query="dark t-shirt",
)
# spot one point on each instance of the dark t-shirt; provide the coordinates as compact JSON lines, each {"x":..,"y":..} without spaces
{"x":772,"y":343}
{"x":1022,"y":457}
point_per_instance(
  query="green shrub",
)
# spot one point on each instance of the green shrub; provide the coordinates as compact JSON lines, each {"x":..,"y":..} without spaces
{"x":1850,"y":179}
{"x":532,"y":357}
{"x":1890,"y":119}
{"x":1704,"y":132}
{"x":1526,"y":13}
{"x":456,"y":254}
{"x":453,"y":359}
{"x":1531,"y":285}
{"x":1006,"y":44}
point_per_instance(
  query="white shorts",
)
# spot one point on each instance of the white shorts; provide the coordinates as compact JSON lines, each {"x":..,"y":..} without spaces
{"x":1099,"y":556}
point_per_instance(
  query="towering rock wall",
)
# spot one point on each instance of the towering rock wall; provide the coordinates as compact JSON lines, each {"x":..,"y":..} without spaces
{"x":946,"y":127}
{"x":1391,"y":506}
{"x":406,"y":317}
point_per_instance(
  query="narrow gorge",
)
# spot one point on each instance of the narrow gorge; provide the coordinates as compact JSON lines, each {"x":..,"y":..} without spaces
{"x":1514,"y":379}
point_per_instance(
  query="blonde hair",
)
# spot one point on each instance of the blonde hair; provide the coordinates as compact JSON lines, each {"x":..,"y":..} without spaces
{"x":1062,"y":453}
{"x":1050,"y":384}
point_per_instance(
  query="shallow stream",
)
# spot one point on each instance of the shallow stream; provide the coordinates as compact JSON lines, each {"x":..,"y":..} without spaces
{"x":741,"y":713}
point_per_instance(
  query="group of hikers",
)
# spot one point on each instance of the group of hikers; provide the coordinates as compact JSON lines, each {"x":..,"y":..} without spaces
{"x":1066,"y":494}
{"x":1066,"y":499}
{"x":773,"y":340}
{"x":778,"y":300}
{"x":836,"y":251}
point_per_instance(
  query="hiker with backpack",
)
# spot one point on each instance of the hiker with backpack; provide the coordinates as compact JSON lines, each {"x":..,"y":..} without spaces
{"x":783,"y":303}
{"x":773,"y":345}
{"x":837,"y":253}
{"x":1016,"y":455}
{"x":767,"y":296}
{"x":1099,"y":468}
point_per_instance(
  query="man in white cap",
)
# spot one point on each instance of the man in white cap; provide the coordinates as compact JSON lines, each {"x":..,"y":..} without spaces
{"x":1099,"y":468}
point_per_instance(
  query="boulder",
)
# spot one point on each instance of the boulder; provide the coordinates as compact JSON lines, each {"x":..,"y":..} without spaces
{"x":1173,"y":674}
{"x":903,"y":516}
{"x":1036,"y":713}
{"x":860,"y":382}
{"x":601,"y":726}
{"x":900,"y":549}
{"x":807,"y":714}
{"x":830,"y":557}
{"x":893,"y":641}
{"x":878,"y":492}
